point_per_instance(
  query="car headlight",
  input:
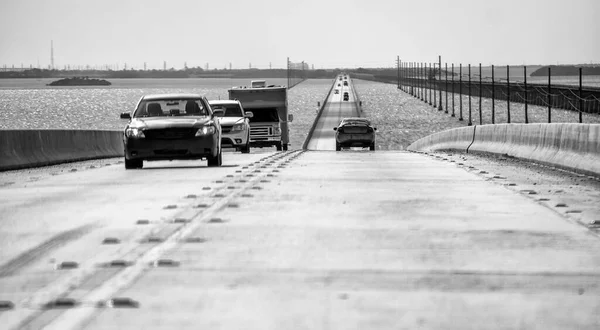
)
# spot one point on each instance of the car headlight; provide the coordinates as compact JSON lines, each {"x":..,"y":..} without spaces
{"x":238,"y":127}
{"x":276,"y":131}
{"x":206,"y":130}
{"x":134,"y":132}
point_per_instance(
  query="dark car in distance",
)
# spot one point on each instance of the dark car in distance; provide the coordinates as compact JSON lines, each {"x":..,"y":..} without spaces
{"x":346,"y":96}
{"x":172,"y":126}
{"x":354,"y":132}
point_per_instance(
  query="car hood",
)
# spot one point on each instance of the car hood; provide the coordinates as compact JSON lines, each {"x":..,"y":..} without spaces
{"x":231,"y":120}
{"x":167,"y":122}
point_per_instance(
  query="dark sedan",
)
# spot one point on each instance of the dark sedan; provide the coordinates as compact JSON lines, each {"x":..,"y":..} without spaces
{"x":355,"y":132}
{"x":172,"y":126}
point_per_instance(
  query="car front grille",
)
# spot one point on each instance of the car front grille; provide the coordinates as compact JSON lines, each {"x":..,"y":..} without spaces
{"x":260,"y":131}
{"x":226,"y":129}
{"x":170,"y":133}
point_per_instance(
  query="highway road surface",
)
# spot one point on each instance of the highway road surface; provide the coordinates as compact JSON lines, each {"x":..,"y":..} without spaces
{"x":290,"y":240}
{"x":333,"y":111}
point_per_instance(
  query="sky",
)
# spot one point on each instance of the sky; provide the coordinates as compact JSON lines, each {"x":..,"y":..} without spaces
{"x":323,"y":33}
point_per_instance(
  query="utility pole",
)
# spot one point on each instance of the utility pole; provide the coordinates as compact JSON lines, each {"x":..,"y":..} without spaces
{"x":229,"y":66}
{"x":270,"y":67}
{"x":52,"y":54}
{"x":164,"y":65}
{"x":144,"y":66}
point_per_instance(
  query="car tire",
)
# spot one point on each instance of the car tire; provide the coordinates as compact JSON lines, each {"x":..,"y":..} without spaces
{"x":215,"y":161}
{"x":372,"y":146}
{"x":245,"y":149}
{"x":338,"y":147}
{"x":131,"y":164}
{"x":278,"y":146}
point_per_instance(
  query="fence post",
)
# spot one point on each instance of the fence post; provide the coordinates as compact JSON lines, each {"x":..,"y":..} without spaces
{"x":446,"y":85}
{"x":508,"y":94}
{"x":549,"y":95}
{"x":427,"y":82}
{"x":453,"y":115}
{"x":580,"y":95}
{"x":432,"y":74}
{"x":460,"y":117}
{"x":440,"y":108}
{"x":422,"y":89}
{"x":493,"y":97}
{"x":470,"y":123}
{"x":526,"y":94}
{"x":480,"y":114}
{"x":398,"y":65}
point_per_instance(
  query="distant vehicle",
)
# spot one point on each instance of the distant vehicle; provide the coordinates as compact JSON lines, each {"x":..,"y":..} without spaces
{"x":345,"y":83}
{"x":337,"y":91}
{"x":172,"y":126}
{"x":346,"y":96}
{"x":354,"y":132}
{"x":235,"y":124}
{"x":268,"y":103}
{"x":339,"y":85}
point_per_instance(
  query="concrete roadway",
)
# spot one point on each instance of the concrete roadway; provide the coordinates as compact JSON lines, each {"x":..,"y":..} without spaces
{"x":335,"y":109}
{"x":291,"y":240}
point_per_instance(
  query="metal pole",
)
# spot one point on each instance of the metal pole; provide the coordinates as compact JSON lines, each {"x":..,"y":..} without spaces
{"x":580,"y":95}
{"x":549,"y":95}
{"x":432,"y":74}
{"x":446,"y":89}
{"x":470,"y":117}
{"x":453,"y":115}
{"x":398,"y":65}
{"x":428,"y":83}
{"x":460,"y":117}
{"x":440,"y":108}
{"x":424,"y":90}
{"x":493,"y":97}
{"x":526,"y":95}
{"x":508,"y":94}
{"x":480,"y":114}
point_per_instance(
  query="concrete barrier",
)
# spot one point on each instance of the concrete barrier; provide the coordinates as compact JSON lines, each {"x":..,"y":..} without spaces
{"x":31,"y":148}
{"x":458,"y":139}
{"x":574,"y":147}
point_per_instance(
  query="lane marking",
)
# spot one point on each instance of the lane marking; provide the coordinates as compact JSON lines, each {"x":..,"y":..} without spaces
{"x":75,"y":318}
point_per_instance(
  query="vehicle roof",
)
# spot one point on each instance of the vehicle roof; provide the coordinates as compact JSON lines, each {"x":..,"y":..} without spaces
{"x":217,"y":102}
{"x":172,"y":96}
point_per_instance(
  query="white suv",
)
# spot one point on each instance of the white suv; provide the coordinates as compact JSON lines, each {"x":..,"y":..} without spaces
{"x":235,"y":124}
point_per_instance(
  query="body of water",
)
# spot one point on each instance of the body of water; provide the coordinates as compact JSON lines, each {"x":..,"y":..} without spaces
{"x":30,"y":104}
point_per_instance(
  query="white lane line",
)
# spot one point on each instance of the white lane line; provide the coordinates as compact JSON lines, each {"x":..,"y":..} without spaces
{"x":75,"y":318}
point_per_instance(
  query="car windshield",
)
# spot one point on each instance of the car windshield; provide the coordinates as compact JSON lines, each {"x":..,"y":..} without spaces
{"x":231,"y":110}
{"x":356,"y":122}
{"x":264,"y":115}
{"x":171,"y":107}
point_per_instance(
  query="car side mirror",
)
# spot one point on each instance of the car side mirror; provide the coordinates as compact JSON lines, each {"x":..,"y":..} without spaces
{"x":219,"y":113}
{"x":249,"y":114}
{"x":290,"y":117}
{"x":125,"y":115}
{"x":335,"y":128}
